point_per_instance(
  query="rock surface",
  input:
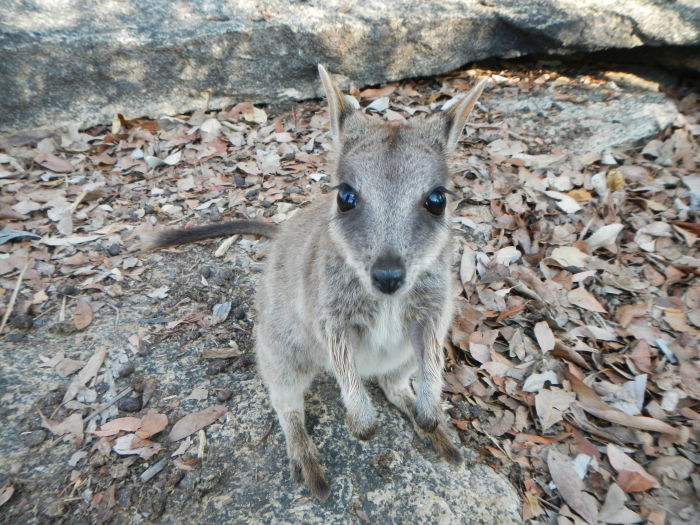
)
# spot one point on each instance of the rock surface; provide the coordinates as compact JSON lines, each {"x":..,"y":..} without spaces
{"x":81,"y":62}
{"x":243,"y":474}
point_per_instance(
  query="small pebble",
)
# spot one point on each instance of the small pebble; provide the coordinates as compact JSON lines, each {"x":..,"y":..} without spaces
{"x":114,"y":249}
{"x":138,"y":384}
{"x":216,"y":366}
{"x":224,"y":394}
{"x":127,"y":369}
{"x":21,"y":321}
{"x":252,"y":193}
{"x":130,"y":404}
{"x":67,"y":289}
{"x":34,"y":438}
{"x":102,"y":387}
{"x":239,"y":314}
{"x":205,"y":271}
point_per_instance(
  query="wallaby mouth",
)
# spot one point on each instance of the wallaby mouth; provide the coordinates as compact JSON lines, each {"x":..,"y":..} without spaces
{"x":388,"y":274}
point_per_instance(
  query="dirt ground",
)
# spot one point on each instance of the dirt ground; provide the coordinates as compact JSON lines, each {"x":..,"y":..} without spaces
{"x":555,"y":369}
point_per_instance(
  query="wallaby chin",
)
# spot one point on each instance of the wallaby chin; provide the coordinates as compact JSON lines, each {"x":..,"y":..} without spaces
{"x":359,"y":283}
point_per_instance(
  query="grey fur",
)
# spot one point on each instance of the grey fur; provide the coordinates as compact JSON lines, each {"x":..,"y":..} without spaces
{"x":317,"y":308}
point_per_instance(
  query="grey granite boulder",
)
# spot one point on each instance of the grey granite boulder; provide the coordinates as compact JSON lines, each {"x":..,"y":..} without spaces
{"x":80,"y":61}
{"x":393,"y":478}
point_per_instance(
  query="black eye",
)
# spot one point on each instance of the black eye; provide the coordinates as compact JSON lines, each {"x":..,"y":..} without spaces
{"x":347,"y":198}
{"x":436,"y":201}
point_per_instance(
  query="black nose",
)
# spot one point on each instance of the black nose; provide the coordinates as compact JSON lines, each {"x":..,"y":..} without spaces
{"x":388,"y":274}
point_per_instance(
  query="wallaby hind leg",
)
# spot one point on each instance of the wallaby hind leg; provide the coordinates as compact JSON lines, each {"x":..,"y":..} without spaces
{"x":287,"y":398}
{"x":397,"y":389}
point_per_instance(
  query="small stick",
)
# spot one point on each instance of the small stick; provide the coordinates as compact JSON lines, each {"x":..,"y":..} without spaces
{"x":105,"y":406}
{"x":13,"y":298}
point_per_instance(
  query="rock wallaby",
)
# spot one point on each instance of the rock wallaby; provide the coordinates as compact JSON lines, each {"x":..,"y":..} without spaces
{"x":359,"y":283}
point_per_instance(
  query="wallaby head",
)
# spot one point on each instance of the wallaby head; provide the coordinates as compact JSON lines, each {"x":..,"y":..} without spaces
{"x":390,"y":219}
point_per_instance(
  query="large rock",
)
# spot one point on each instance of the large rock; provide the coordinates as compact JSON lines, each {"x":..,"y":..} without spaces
{"x":83,"y":61}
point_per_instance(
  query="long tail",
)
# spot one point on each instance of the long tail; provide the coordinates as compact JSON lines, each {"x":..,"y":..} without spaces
{"x":160,"y":239}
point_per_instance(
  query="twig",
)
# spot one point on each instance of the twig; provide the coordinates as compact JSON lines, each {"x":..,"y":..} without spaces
{"x":108,"y":404}
{"x":13,"y":298}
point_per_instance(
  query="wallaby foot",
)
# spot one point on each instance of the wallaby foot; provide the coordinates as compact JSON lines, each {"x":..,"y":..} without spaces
{"x":398,"y":391}
{"x":362,"y":425}
{"x":303,"y":456}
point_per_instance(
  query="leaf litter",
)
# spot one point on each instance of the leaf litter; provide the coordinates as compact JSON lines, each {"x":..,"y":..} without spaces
{"x":575,"y":344}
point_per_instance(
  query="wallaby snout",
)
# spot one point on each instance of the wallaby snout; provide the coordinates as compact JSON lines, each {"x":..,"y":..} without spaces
{"x":388,"y":274}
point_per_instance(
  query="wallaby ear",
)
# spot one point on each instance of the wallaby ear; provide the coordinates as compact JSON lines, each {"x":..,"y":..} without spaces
{"x":340,"y":106}
{"x":454,"y":118}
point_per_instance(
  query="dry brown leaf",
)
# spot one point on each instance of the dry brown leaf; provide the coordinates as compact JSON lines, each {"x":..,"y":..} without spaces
{"x":545,"y":337}
{"x":114,"y":426}
{"x":54,"y":163}
{"x":641,"y":356}
{"x":6,"y":493}
{"x":467,"y":268}
{"x":378,"y":92}
{"x":626,"y":314}
{"x":584,"y":299}
{"x":83,"y":315}
{"x":677,"y":320}
{"x":570,"y":486}
{"x":632,"y":476}
{"x":71,"y":427}
{"x":501,"y":424}
{"x":88,"y":372}
{"x":66,"y":367}
{"x":614,"y":510}
{"x":551,"y":405}
{"x":580,"y":195}
{"x":152,"y":423}
{"x":592,"y":404}
{"x":570,"y":256}
{"x":193,"y":422}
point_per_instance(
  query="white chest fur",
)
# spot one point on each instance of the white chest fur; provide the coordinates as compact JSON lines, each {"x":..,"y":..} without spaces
{"x":385,"y":346}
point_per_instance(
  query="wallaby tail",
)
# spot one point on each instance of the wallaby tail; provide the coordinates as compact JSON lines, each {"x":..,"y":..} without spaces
{"x":160,"y":239}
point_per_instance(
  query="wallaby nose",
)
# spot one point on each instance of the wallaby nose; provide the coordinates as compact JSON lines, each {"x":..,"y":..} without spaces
{"x":388,"y":274}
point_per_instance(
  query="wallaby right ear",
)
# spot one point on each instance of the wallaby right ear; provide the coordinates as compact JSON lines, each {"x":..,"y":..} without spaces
{"x":340,"y":106}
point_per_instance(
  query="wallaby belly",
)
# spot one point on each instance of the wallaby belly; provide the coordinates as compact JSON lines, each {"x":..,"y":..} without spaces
{"x":384,"y":345}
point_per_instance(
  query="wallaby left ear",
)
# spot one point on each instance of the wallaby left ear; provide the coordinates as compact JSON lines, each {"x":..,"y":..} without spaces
{"x":340,"y":106}
{"x":454,"y":118}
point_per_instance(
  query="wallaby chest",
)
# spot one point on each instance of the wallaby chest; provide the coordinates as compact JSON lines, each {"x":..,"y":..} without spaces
{"x":382,"y":343}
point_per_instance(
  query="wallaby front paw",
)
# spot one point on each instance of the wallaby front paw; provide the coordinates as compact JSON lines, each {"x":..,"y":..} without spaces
{"x":426,"y":422}
{"x":363,"y":427}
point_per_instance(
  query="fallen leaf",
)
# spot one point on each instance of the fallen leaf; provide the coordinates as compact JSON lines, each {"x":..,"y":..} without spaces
{"x":570,"y":256}
{"x":123,"y":446}
{"x":614,"y":510}
{"x":564,"y":202}
{"x":551,"y":405}
{"x":114,"y":426}
{"x":615,"y":180}
{"x":626,"y":314}
{"x":604,"y":236}
{"x":570,"y":486}
{"x":54,"y":163}
{"x":83,"y":315}
{"x":467,"y":268}
{"x":70,"y":240}
{"x":193,"y":422}
{"x":592,"y":404}
{"x":71,"y":427}
{"x":66,"y":367}
{"x":159,"y":293}
{"x":544,"y":335}
{"x":631,"y":475}
{"x":584,"y":299}
{"x":6,"y":493}
{"x":88,"y":372}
